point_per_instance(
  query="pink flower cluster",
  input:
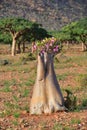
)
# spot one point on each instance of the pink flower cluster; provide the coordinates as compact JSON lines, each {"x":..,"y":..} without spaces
{"x":47,"y":45}
{"x":55,"y":49}
{"x":34,"y":47}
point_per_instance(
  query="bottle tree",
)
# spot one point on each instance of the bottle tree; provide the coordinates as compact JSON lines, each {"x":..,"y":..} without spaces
{"x":47,"y":96}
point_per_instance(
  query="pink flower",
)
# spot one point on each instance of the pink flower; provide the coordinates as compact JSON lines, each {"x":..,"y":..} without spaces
{"x":57,"y":46}
{"x":42,"y":51}
{"x":52,"y":40}
{"x":55,"y":49}
{"x":35,"y":47}
{"x":47,"y":46}
{"x":51,"y":44}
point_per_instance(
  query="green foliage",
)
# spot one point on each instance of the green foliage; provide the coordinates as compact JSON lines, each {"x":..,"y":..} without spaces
{"x":7,"y":85}
{"x":76,"y":31}
{"x":15,"y":123}
{"x":60,"y":126}
{"x":15,"y":24}
{"x":5,"y":37}
{"x":38,"y":32}
{"x":70,"y":100}
{"x":16,"y":115}
{"x":75,"y":121}
{"x":4,"y":62}
{"x":29,"y":82}
{"x":26,"y":93}
{"x":34,"y":31}
{"x":57,"y":126}
{"x":11,"y":26}
{"x":84,"y":102}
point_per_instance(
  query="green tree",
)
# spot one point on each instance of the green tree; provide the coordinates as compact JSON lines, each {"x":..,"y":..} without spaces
{"x":36,"y":32}
{"x":77,"y":31}
{"x":5,"y":37}
{"x":20,"y":30}
{"x":80,"y":32}
{"x":16,"y":27}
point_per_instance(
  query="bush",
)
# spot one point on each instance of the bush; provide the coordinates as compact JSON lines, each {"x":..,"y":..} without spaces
{"x":4,"y":62}
{"x":70,"y":100}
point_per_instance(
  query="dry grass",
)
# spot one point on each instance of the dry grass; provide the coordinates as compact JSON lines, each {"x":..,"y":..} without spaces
{"x":16,"y":83}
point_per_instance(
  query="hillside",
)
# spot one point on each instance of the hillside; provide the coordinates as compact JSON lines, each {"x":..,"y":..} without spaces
{"x":52,"y":14}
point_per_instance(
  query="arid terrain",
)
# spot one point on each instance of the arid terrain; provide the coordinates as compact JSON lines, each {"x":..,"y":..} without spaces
{"x":17,"y":77}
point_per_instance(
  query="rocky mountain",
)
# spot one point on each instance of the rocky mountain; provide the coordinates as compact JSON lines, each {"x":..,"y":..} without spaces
{"x":52,"y":14}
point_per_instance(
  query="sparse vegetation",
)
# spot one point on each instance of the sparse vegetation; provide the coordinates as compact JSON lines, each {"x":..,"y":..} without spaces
{"x":17,"y":80}
{"x":16,"y":84}
{"x":82,"y":80}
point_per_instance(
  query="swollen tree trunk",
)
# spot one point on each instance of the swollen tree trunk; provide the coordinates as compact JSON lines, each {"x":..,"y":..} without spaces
{"x":47,"y":96}
{"x":14,"y":46}
{"x":39,"y":99}
{"x":55,"y":98}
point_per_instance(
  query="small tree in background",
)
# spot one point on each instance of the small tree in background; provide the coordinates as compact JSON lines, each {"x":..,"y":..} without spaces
{"x":80,"y":32}
{"x":17,"y":27}
{"x":76,"y":31}
{"x":36,"y":32}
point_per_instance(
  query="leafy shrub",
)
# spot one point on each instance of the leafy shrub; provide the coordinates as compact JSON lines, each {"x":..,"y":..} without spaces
{"x":84,"y":102}
{"x":56,"y":60}
{"x":70,"y":100}
{"x":4,"y":62}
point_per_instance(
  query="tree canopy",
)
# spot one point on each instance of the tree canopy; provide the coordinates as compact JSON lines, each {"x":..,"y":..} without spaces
{"x":14,"y":28}
{"x":75,"y":31}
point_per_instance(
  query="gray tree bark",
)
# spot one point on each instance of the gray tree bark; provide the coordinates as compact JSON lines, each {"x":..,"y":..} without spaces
{"x":47,"y":96}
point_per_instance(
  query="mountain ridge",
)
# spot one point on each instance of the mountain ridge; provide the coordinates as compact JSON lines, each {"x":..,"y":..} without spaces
{"x":52,"y":14}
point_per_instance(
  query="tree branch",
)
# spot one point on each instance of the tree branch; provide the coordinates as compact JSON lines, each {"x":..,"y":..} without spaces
{"x":18,"y":34}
